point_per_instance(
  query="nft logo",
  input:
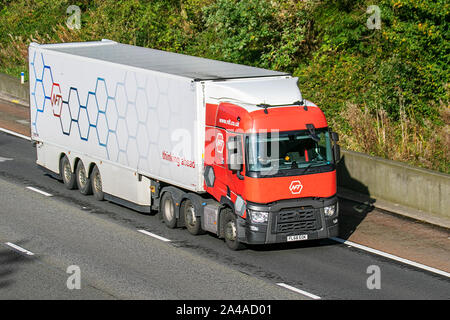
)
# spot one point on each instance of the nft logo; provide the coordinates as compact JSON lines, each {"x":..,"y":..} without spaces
{"x":296,"y":187}
{"x":56,"y":100}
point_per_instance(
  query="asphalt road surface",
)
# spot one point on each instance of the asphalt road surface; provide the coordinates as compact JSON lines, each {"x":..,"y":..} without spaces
{"x":45,"y":230}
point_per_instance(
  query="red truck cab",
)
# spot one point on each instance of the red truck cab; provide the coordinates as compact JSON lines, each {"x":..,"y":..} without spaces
{"x":275,"y":167}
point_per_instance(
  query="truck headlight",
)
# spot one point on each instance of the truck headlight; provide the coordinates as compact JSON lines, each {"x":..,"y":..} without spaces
{"x":330,"y":210}
{"x":258,"y":216}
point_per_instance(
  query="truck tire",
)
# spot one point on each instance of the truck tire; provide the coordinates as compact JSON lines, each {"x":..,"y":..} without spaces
{"x":83,"y":181}
{"x":192,"y":222}
{"x":66,"y":173}
{"x":97,"y":188}
{"x":167,"y":209}
{"x":230,"y":230}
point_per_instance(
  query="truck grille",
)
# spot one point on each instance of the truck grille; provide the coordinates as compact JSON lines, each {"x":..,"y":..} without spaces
{"x":297,"y":220}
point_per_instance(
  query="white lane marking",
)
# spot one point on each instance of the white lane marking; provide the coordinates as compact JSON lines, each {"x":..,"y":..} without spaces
{"x":154,"y":235}
{"x":40,"y":191}
{"x":391,"y":256}
{"x":24,"y":122}
{"x":15,"y":246}
{"x":310,"y":295}
{"x":15,"y":134}
{"x":5,"y":159}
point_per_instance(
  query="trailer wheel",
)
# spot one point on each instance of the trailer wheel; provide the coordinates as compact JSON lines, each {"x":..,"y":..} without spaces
{"x":192,"y":222}
{"x":83,"y":182}
{"x":67,"y":175}
{"x":167,"y":210}
{"x":230,"y":230}
{"x":96,"y":181}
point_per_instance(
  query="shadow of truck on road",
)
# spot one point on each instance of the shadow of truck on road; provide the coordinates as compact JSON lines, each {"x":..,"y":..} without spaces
{"x":351,"y":213}
{"x":10,"y":263}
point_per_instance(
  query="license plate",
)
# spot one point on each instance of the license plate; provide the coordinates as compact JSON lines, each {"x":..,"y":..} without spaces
{"x":298,"y":237}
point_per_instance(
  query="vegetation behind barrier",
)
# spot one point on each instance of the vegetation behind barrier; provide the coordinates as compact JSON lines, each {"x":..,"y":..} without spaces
{"x":380,"y":74}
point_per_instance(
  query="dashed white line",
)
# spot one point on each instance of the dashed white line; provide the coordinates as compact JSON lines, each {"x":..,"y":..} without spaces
{"x":24,"y":122}
{"x":5,"y":159}
{"x":393,"y":257}
{"x":15,"y":246}
{"x":310,"y":295}
{"x":154,"y":235}
{"x":15,"y":134}
{"x":40,"y":191}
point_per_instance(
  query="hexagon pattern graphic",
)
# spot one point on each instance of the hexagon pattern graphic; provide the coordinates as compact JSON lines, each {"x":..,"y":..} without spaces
{"x":74,"y":104}
{"x":102,"y":129}
{"x":129,"y":119}
{"x":83,"y":124}
{"x":66,"y":119}
{"x":101,"y":92}
{"x":92,"y":109}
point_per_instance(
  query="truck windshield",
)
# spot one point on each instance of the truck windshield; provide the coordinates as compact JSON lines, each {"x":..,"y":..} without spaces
{"x":288,"y":153}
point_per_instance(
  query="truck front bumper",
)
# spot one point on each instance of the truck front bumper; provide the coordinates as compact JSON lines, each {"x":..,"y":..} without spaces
{"x":291,"y":220}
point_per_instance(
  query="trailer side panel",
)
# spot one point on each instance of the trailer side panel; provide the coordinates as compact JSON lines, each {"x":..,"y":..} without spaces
{"x":142,"y":121}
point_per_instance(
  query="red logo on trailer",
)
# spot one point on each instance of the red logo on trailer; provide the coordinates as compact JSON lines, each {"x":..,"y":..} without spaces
{"x":56,"y":100}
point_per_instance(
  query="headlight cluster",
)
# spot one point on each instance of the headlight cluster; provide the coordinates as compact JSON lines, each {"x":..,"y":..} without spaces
{"x":258,"y":216}
{"x":330,"y":210}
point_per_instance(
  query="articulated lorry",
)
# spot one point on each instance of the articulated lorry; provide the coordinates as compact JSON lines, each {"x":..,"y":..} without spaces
{"x":211,"y":146}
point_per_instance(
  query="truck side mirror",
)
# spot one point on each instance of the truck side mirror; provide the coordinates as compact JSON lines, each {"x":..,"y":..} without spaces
{"x":337,"y":152}
{"x":235,"y":159}
{"x":336,"y":147}
{"x":334,"y":136}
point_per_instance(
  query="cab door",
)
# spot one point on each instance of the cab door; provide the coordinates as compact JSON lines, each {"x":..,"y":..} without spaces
{"x":235,"y":161}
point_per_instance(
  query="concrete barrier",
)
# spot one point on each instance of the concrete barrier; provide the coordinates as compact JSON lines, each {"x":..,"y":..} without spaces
{"x":396,"y":182}
{"x":12,"y":87}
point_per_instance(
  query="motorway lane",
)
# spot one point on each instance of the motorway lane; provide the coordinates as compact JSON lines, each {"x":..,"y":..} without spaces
{"x":114,"y":258}
{"x":24,"y":277}
{"x":119,"y":262}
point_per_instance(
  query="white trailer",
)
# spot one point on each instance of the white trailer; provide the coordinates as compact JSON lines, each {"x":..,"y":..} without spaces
{"x":132,"y":112}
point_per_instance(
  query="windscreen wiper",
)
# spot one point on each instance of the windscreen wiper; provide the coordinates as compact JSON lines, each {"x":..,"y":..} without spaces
{"x":318,"y":165}
{"x":295,"y":103}
{"x":306,"y":168}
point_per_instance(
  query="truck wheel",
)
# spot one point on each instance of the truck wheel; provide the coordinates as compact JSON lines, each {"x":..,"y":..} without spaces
{"x":66,"y":173}
{"x":167,"y":210}
{"x":96,"y":181}
{"x":83,"y":182}
{"x":192,"y":222}
{"x":230,"y":230}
